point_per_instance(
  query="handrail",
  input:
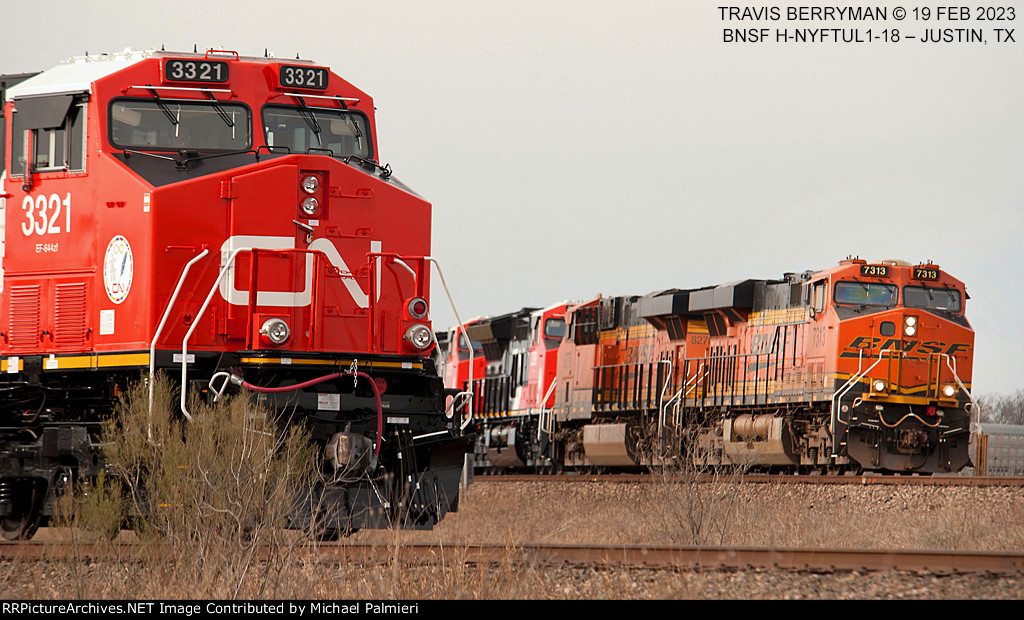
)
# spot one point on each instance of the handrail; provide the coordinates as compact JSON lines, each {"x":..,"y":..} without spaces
{"x":159,"y":329}
{"x":697,"y":377}
{"x":455,"y":399}
{"x":469,"y":402}
{"x":661,"y":398}
{"x":956,"y":377}
{"x":228,"y":265}
{"x":545,"y":410}
{"x":728,"y":376}
{"x":846,"y":387}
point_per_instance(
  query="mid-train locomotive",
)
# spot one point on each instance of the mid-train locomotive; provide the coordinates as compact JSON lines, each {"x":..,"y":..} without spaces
{"x":864,"y":366}
{"x":217,"y":216}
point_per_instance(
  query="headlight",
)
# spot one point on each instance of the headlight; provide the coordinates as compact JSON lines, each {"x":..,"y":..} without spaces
{"x":910,"y":325}
{"x":310,"y":184}
{"x":949,"y":390}
{"x":878,"y":385}
{"x":276,"y":330}
{"x":310,"y":205}
{"x":419,"y":336}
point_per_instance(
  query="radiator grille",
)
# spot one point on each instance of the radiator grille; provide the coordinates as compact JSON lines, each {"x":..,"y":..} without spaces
{"x":69,"y":328}
{"x":24,"y":313}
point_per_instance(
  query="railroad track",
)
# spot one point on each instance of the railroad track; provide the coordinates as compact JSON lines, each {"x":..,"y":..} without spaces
{"x":598,"y":556}
{"x":963,"y":481}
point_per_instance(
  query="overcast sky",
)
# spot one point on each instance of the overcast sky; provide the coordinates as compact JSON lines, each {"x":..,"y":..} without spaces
{"x":579,"y":147}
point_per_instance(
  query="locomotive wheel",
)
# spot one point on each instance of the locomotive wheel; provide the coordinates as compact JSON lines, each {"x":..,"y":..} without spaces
{"x":23,"y":523}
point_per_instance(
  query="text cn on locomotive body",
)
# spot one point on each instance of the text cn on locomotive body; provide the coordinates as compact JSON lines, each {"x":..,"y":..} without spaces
{"x":858,"y":367}
{"x":224,"y":219}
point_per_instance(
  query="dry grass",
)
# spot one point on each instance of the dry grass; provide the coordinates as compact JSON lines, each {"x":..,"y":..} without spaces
{"x":761,"y":515}
{"x":220,"y":488}
{"x":204,"y":499}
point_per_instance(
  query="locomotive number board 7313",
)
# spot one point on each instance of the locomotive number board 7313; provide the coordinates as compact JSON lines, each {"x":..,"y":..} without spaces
{"x":925,"y":273}
{"x":180,"y":70}
{"x":881,"y":271}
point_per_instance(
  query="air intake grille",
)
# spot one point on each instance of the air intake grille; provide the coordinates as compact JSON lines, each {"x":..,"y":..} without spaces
{"x":24,"y":313}
{"x":69,"y":330}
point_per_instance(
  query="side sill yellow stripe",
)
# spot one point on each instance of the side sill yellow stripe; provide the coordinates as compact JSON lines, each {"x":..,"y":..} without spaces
{"x":115,"y":360}
{"x":80,"y":362}
{"x":294,"y":361}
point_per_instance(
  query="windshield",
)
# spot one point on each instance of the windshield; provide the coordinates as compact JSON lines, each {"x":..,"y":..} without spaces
{"x":932,"y":298}
{"x":865,"y":294}
{"x":169,"y":125}
{"x":478,"y":348}
{"x":301,"y":130}
{"x":554,"y":329}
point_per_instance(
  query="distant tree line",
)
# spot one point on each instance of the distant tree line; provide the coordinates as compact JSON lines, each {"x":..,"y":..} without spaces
{"x":1002,"y":409}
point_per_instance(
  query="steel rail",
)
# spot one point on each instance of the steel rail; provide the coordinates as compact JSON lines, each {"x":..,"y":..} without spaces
{"x":961,"y":481}
{"x":603,"y":556}
{"x":702,"y":558}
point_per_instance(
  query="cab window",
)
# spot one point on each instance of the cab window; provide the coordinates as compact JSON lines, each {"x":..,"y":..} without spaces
{"x":172,"y":125}
{"x":339,"y":133}
{"x":865,"y":293}
{"x":819,"y":296}
{"x":48,"y":134}
{"x":554,"y":329}
{"x":930,"y":298}
{"x":463,"y":349}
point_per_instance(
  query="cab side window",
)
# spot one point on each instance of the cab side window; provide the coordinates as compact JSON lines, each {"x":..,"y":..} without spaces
{"x":48,"y":134}
{"x":819,"y":296}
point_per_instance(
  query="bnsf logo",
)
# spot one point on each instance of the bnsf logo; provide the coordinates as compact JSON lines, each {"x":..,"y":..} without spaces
{"x":906,"y":346}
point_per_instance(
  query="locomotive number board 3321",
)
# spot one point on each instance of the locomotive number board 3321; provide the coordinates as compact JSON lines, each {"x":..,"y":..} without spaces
{"x":182,"y":70}
{"x":293,"y":76}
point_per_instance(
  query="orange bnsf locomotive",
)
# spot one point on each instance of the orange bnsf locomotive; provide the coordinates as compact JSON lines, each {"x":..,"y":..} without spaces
{"x":211,"y":215}
{"x":859,"y":367}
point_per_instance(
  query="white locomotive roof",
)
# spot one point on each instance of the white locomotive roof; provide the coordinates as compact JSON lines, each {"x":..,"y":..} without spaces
{"x":76,"y":74}
{"x":552,"y":307}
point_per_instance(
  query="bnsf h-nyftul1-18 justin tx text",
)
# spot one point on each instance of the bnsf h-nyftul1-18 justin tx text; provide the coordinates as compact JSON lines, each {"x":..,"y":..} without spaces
{"x":223,"y":219}
{"x":862,"y":367}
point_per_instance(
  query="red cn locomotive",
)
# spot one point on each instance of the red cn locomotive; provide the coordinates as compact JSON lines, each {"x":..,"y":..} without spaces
{"x":217,"y":215}
{"x":517,"y":386}
{"x":859,"y":367}
{"x":459,"y":365}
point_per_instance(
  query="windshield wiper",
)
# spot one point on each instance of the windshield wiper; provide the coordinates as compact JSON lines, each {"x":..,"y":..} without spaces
{"x":220,"y":112}
{"x":163,"y":108}
{"x":191,"y":158}
{"x":307,"y":115}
